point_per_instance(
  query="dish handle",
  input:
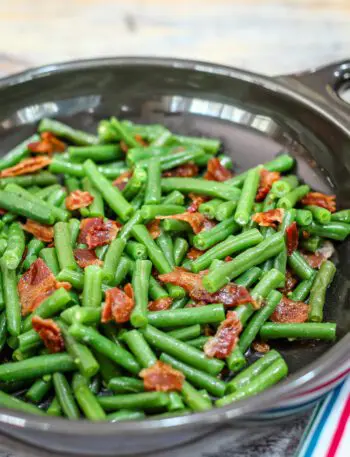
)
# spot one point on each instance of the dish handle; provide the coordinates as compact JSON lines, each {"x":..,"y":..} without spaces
{"x":330,"y":82}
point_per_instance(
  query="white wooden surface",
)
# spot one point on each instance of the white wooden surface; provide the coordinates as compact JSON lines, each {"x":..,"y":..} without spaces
{"x":269,"y":36}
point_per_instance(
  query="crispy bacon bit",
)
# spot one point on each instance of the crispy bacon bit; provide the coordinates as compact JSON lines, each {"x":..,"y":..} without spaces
{"x":26,"y":166}
{"x":42,"y":232}
{"x":118,"y":304}
{"x":122,"y":180}
{"x":291,"y":282}
{"x":269,"y":218}
{"x":78,"y":199}
{"x":47,"y":145}
{"x":292,"y":236}
{"x":36,"y":284}
{"x":260,"y":346}
{"x":327,"y":249}
{"x":160,"y":304}
{"x":228,"y":258}
{"x":267,"y":178}
{"x":208,"y":224}
{"x":305,"y":235}
{"x":124,"y":147}
{"x":226,"y":337}
{"x":319,"y":199}
{"x":161,"y":377}
{"x":3,"y":211}
{"x":314,"y":260}
{"x":140,"y":140}
{"x":86,"y":257}
{"x":196,"y":220}
{"x":153,"y":228}
{"x":289,"y":312}
{"x":197,"y":200}
{"x":50,"y":333}
{"x":229,"y":295}
{"x":188,"y":170}
{"x":216,"y":171}
{"x":194,"y":253}
{"x":94,"y":231}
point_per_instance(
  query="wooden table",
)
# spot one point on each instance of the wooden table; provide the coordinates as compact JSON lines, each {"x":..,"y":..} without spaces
{"x":269,"y":36}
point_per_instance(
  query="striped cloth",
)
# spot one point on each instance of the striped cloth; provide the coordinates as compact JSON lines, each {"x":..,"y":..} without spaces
{"x":328,"y":432}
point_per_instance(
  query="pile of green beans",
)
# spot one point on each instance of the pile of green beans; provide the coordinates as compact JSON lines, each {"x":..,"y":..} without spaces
{"x":98,"y":374}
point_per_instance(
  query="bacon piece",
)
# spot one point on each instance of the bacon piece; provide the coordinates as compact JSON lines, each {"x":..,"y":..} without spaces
{"x":226,"y":337}
{"x":48,"y":144}
{"x":208,"y":224}
{"x":36,"y":284}
{"x":3,"y":211}
{"x":122,"y":180}
{"x":78,"y":199}
{"x":50,"y":333}
{"x":269,"y":218}
{"x":42,"y":232}
{"x":292,"y":236}
{"x":86,"y":257}
{"x":267,"y":178}
{"x":161,"y":377}
{"x":327,"y":249}
{"x":196,"y":220}
{"x":197,"y":200}
{"x":140,"y":140}
{"x":216,"y":171}
{"x":229,"y":295}
{"x":314,"y":260}
{"x":118,"y":304}
{"x":188,"y":170}
{"x":160,"y":304}
{"x":289,"y":312}
{"x":260,"y":346}
{"x":26,"y":166}
{"x":124,"y":147}
{"x":153,"y":228}
{"x":94,"y":231}
{"x":319,"y":199}
{"x":291,"y":282}
{"x":228,"y":258}
{"x":194,"y":253}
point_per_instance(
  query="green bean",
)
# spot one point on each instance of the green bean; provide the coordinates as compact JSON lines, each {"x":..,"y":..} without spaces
{"x":3,"y":329}
{"x":220,"y":232}
{"x":74,"y":228}
{"x":162,"y":139}
{"x":44,"y":178}
{"x":28,"y":339}
{"x":186,"y":333}
{"x":270,"y":376}
{"x":312,"y":243}
{"x":136,"y":250}
{"x":124,"y":385}
{"x":54,"y":408}
{"x":208,"y":209}
{"x":341,"y":216}
{"x":33,"y":249}
{"x":49,"y":256}
{"x":153,"y":189}
{"x":65,"y":396}
{"x":18,"y":153}
{"x":15,"y":247}
{"x":300,"y":266}
{"x":165,"y":243}
{"x":247,"y":197}
{"x":140,"y":284}
{"x":187,"y":316}
{"x":334,"y":230}
{"x":143,"y":400}
{"x":71,"y":183}
{"x":63,"y":246}
{"x":179,"y":303}
{"x":57,"y":197}
{"x":249,"y":278}
{"x":112,"y":259}
{"x":201,"y":186}
{"x":123,"y":268}
{"x":87,"y":402}
{"x":36,"y":367}
{"x":181,"y":350}
{"x":303,"y":217}
{"x":320,"y":215}
{"x":92,"y":292}
{"x":290,"y":199}
{"x":97,"y":153}
{"x":194,"y":399}
{"x":108,"y":369}
{"x":125,"y":415}
{"x":247,"y":259}
{"x":123,"y":133}
{"x":323,"y":279}
{"x":174,"y":198}
{"x":125,"y":232}
{"x":198,"y":378}
{"x":301,"y":292}
{"x":198,"y":342}
{"x":19,"y":204}
{"x":284,"y":185}
{"x":149,"y":212}
{"x":236,"y":360}
{"x":8,"y":401}
{"x":210,"y":145}
{"x":225,"y":210}
{"x":69,"y":314}
{"x":227,"y":247}
{"x":138,"y":200}
{"x":12,"y":303}
{"x":116,"y":353}
{"x":38,"y":390}
{"x":59,"y":165}
{"x":256,"y":322}
{"x":65,"y":131}
{"x":139,"y":347}
{"x":135,"y":183}
{"x":175,"y":402}
{"x":155,"y":290}
{"x":308,"y":330}
{"x":281,"y":163}
{"x":180,"y":249}
{"x":96,"y":209}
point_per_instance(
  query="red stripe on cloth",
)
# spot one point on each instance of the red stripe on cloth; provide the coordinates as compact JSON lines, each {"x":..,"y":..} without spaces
{"x":340,"y":429}
{"x":321,"y":386}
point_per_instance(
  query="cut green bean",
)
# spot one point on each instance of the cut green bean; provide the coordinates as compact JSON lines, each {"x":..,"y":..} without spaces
{"x":124,"y":385}
{"x":186,"y":333}
{"x":139,"y":347}
{"x":143,"y":400}
{"x":38,"y":390}
{"x":12,"y":303}
{"x":201,"y":186}
{"x":8,"y":401}
{"x":140,"y":284}
{"x":322,"y":331}
{"x":187,"y":316}
{"x":92,"y":292}
{"x":320,"y":215}
{"x":247,"y":197}
{"x":300,"y":266}
{"x":49,"y":256}
{"x":323,"y":279}
{"x":220,"y":232}
{"x":87,"y":402}
{"x":65,"y":396}
{"x":65,"y":131}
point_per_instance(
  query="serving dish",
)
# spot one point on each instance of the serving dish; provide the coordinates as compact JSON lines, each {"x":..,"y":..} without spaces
{"x":255,"y":117}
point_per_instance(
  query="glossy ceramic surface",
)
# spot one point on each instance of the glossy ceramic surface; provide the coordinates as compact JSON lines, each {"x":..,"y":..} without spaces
{"x":255,"y":118}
